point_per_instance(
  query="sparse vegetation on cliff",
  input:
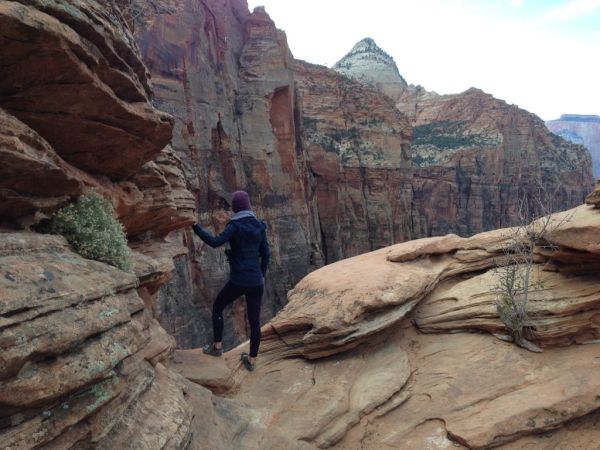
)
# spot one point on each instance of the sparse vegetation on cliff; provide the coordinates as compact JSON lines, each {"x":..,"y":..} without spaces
{"x":447,"y":134}
{"x":90,"y":227}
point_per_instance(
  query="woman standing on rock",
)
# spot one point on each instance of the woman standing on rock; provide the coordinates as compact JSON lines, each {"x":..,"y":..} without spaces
{"x":248,"y":256}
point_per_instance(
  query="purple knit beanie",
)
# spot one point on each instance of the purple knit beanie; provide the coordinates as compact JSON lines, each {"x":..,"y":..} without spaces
{"x":240,"y":201}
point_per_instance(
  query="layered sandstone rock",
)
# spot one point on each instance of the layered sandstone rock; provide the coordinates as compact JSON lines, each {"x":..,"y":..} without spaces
{"x":373,"y":351}
{"x":475,"y":156}
{"x":81,"y":353}
{"x":32,"y":176}
{"x":63,"y":384}
{"x":580,"y":129}
{"x":100,"y":382}
{"x":77,"y":115}
{"x":358,"y":150}
{"x":106,"y":123}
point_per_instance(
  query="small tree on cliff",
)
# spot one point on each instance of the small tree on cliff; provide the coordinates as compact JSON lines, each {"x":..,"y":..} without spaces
{"x":516,"y":269}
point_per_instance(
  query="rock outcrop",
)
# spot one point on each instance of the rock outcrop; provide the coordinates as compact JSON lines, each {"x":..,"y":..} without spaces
{"x":475,"y":156}
{"x":101,"y":382}
{"x":106,"y":124}
{"x":76,"y":115}
{"x":60,"y":384}
{"x":580,"y":129}
{"x":81,"y":353}
{"x":397,"y":348}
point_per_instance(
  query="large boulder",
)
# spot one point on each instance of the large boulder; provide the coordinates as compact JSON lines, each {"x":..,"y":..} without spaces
{"x":79,"y":62}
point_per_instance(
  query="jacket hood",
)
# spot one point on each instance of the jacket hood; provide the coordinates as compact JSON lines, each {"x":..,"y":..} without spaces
{"x":242,"y":214}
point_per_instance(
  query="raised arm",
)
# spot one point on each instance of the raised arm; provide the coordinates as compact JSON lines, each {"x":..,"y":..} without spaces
{"x":218,"y":240}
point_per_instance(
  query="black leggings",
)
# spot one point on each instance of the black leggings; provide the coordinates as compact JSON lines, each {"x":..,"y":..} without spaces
{"x":253,"y":300}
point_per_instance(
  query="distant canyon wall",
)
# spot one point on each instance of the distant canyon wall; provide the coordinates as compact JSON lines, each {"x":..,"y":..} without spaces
{"x":474,"y":156}
{"x":580,"y":129}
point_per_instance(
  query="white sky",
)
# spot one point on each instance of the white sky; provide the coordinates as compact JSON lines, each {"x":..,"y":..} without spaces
{"x":543,"y":55}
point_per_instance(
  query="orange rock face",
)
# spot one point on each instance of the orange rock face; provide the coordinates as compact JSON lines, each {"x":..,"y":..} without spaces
{"x":48,"y":47}
{"x":77,"y":115}
{"x":358,"y":149}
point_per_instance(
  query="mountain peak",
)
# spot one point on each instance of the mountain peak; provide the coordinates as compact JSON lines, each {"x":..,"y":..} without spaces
{"x":367,"y":44}
{"x":367,"y":62}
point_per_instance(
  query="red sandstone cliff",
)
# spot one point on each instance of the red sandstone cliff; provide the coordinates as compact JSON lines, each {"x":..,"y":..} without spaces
{"x":226,"y":77}
{"x":358,"y":149}
{"x":474,"y":155}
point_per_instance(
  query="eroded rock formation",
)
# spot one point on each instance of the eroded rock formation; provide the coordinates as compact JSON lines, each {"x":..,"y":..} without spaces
{"x":580,"y":129}
{"x":81,"y":353}
{"x":76,"y":114}
{"x":397,"y":348}
{"x":474,"y":156}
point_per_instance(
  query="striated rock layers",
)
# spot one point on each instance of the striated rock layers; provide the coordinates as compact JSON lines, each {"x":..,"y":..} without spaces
{"x":474,"y":155}
{"x":76,"y":114}
{"x":358,"y":149}
{"x":82,"y":360}
{"x":81,"y":353}
{"x":226,"y":77}
{"x":397,"y":348}
{"x":580,"y":129}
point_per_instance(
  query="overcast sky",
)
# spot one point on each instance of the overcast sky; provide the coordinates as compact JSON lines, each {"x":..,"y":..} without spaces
{"x":543,"y":55}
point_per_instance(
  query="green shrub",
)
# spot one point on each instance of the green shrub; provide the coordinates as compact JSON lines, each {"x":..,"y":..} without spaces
{"x":93,"y":231}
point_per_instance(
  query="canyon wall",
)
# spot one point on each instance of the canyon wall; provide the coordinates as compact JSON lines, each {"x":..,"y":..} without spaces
{"x":226,"y":77}
{"x":474,"y":156}
{"x":357,"y":146}
{"x":580,"y":129}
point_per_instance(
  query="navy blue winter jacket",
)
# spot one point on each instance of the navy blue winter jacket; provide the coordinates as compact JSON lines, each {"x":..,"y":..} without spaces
{"x":249,"y":254}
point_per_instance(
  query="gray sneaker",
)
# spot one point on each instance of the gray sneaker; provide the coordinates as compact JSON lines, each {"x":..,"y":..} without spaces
{"x":245,"y":357}
{"x":210,"y":349}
